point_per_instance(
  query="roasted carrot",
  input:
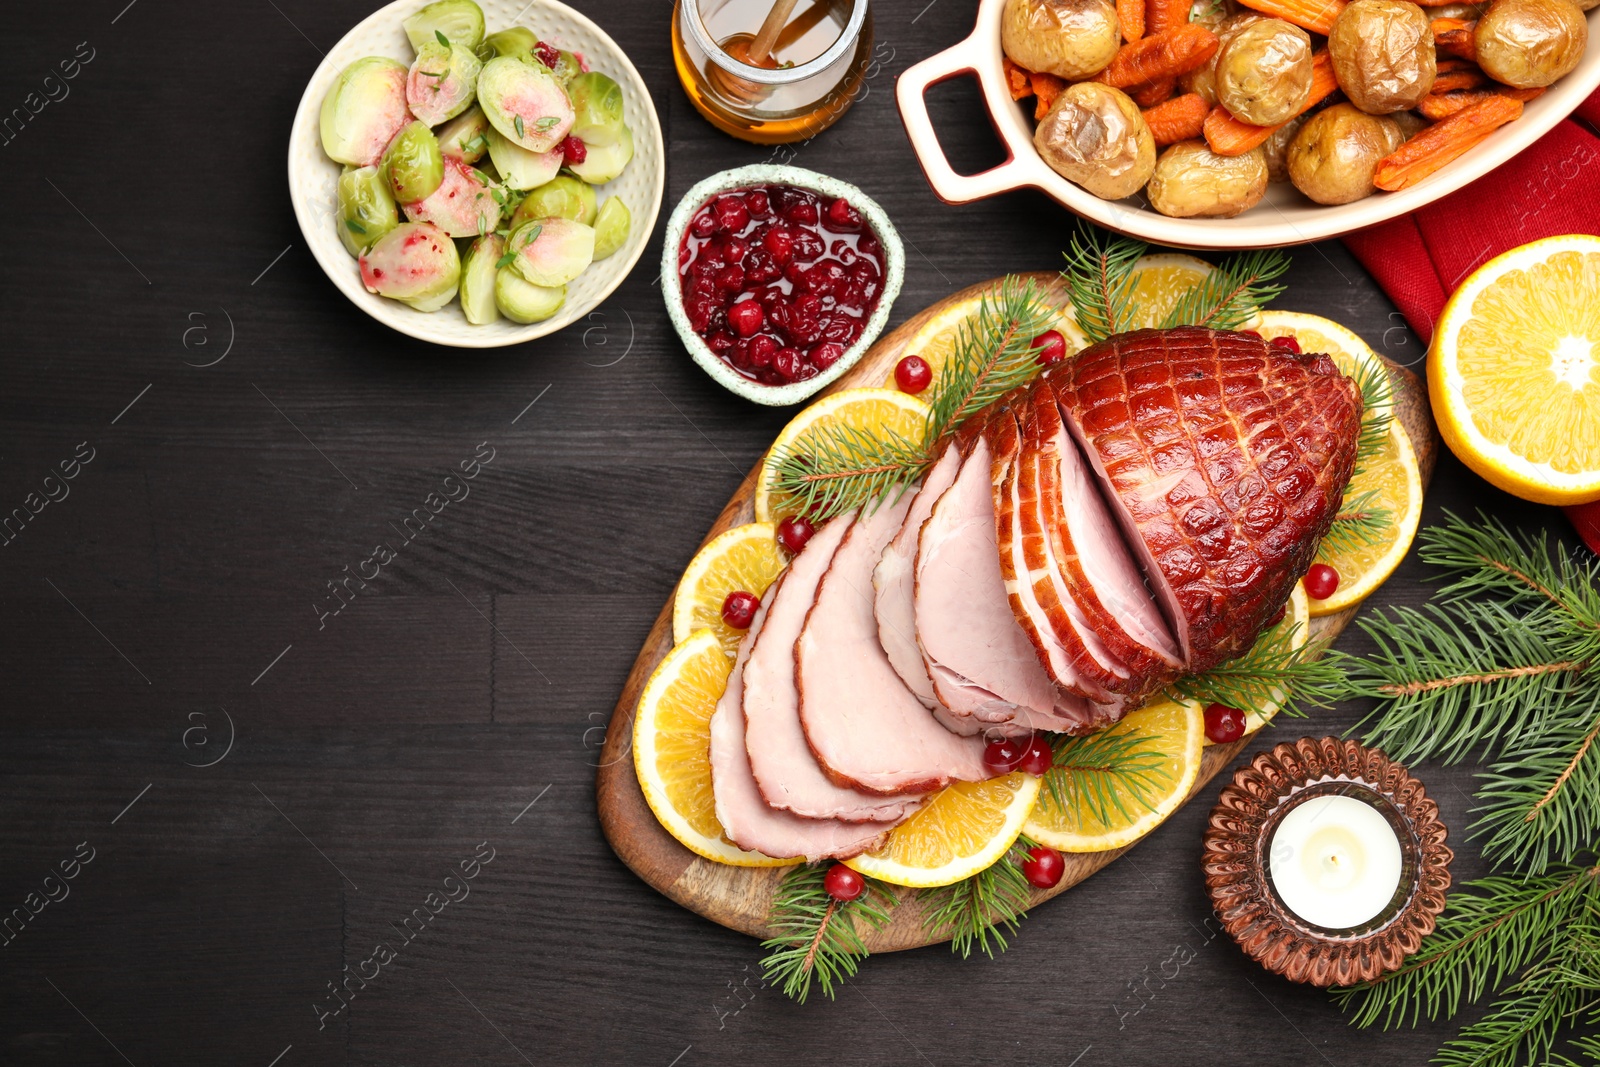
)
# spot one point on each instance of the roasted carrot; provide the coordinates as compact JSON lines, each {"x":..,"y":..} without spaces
{"x":1453,"y":37}
{"x":1444,"y":142}
{"x":1150,"y":94}
{"x":1179,"y":119}
{"x":1227,"y":136}
{"x":1130,"y":16}
{"x":1046,"y":87}
{"x":1437,"y":106}
{"x":1016,"y":79}
{"x":1451,"y":81}
{"x":1314,"y":15}
{"x":1165,"y":14}
{"x":1162,"y":55}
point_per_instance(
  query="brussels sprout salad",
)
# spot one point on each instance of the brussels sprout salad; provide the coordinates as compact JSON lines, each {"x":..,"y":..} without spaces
{"x":496,"y":141}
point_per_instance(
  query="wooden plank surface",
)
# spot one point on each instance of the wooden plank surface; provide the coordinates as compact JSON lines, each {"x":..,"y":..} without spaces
{"x":741,"y":897}
{"x":411,"y":728}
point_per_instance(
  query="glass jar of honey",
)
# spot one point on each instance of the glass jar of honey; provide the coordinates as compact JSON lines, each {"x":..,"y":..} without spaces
{"x":813,"y":74}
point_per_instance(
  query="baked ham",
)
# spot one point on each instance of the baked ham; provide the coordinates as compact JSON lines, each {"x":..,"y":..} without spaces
{"x":747,"y":819}
{"x":1224,"y":459}
{"x":865,"y":728}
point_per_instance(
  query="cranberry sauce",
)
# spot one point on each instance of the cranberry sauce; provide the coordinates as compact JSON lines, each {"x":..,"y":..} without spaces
{"x":779,"y":281}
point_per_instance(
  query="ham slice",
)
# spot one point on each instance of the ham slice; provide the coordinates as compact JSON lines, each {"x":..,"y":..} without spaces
{"x":867,"y":730}
{"x":894,"y":583}
{"x":746,"y":818}
{"x":780,"y":758}
{"x":980,"y":661}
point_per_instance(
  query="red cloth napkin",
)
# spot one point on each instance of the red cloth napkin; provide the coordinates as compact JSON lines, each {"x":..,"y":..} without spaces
{"x":1551,"y":188}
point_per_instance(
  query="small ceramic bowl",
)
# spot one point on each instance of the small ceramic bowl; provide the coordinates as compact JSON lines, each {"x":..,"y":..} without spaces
{"x":1237,"y":860}
{"x":894,"y":269}
{"x":313,"y":177}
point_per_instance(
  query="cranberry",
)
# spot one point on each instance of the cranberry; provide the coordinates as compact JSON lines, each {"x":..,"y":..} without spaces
{"x":701,"y":310}
{"x":779,"y":242}
{"x":704,"y":224}
{"x":731,"y":280}
{"x":1043,"y":867}
{"x":1039,"y":757}
{"x":759,"y":268}
{"x":720,"y":342}
{"x":574,"y":150}
{"x":1002,"y":756}
{"x":843,"y":884}
{"x":548,"y":54}
{"x":787,"y":363}
{"x":808,"y":246}
{"x":760,"y":350}
{"x":739,"y":609}
{"x":711,"y":256}
{"x":863,"y":270}
{"x":803,"y":329}
{"x":1289,"y":343}
{"x":804,"y":212}
{"x":1224,"y":724}
{"x":734,"y":249}
{"x":869,"y":246}
{"x":732,"y":215}
{"x":825,"y":355}
{"x":912,"y":374}
{"x":1321,"y":581}
{"x":755,"y":202}
{"x":746,"y":317}
{"x":1052,"y":347}
{"x":794,"y":531}
{"x":843,"y":217}
{"x":703,"y":283}
{"x":794,"y":273}
{"x":824,"y":277}
{"x":840,"y":329}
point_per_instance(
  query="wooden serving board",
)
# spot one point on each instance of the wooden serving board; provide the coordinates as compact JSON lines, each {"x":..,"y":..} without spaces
{"x":740,"y":897}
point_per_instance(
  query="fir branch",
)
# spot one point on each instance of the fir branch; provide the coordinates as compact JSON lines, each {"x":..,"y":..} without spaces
{"x":817,"y":937}
{"x":1377,"y":411}
{"x":1540,"y":795}
{"x":1232,"y":293}
{"x":1487,"y":558}
{"x":1452,"y":679}
{"x":1360,"y":523}
{"x":1100,"y":280}
{"x":993,"y":355}
{"x":1101,"y":772}
{"x":1272,"y":672}
{"x":848,"y":467}
{"x":1493,"y":929}
{"x":1521,"y":1028}
{"x":991,"y":903}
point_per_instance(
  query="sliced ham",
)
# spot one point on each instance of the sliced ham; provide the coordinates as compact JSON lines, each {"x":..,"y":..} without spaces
{"x":866,"y":729}
{"x":894,"y":585}
{"x":980,"y":661}
{"x":746,"y":818}
{"x":787,"y":774}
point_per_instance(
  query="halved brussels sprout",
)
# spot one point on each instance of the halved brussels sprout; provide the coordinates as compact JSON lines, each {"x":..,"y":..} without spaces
{"x":477,"y":279}
{"x":605,"y":162}
{"x":525,"y":103}
{"x":415,"y":263}
{"x":611,"y":227}
{"x":551,"y":251}
{"x":516,"y":42}
{"x":443,"y":82}
{"x":464,"y":205}
{"x":460,"y":21}
{"x":522,"y":301}
{"x":363,"y":111}
{"x":465,"y":136}
{"x":568,"y":66}
{"x":561,"y":197}
{"x":597,"y":109}
{"x":520,"y":168}
{"x":413,"y":163}
{"x":366,"y":210}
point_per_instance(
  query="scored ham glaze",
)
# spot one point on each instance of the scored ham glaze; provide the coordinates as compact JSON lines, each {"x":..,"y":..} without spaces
{"x":1138,"y":512}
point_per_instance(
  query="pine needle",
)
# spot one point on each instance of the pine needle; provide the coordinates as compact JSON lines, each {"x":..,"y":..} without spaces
{"x":1272,"y":672}
{"x":1232,"y":293}
{"x":1100,"y":280}
{"x":1104,"y":772}
{"x":989,"y":904}
{"x":1487,"y":558}
{"x":1359,"y":524}
{"x":817,"y":936}
{"x":994,"y":354}
{"x":829,"y":474}
{"x":1377,"y":412}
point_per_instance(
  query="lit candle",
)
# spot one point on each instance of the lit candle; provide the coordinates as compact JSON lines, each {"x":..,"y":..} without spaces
{"x":1335,"y":862}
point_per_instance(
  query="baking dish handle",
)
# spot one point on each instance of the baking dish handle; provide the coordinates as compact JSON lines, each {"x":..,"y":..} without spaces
{"x":911,"y":94}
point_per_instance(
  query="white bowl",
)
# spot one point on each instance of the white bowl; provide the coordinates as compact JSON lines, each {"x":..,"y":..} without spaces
{"x":894,"y":271}
{"x":313,"y":177}
{"x":1284,"y":218}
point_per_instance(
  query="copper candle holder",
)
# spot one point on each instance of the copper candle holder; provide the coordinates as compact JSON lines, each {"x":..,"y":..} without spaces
{"x":1237,"y":861}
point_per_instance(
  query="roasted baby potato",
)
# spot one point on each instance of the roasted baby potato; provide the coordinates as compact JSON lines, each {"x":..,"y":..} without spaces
{"x":1383,"y":54}
{"x":1530,"y":43}
{"x":1334,"y":155}
{"x":1263,"y":72}
{"x":1094,"y":135}
{"x":1190,"y":180}
{"x":1072,"y":39}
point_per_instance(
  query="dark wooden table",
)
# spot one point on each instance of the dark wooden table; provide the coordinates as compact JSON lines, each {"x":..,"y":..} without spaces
{"x":270,"y":793}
